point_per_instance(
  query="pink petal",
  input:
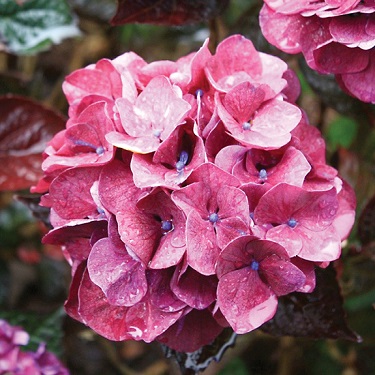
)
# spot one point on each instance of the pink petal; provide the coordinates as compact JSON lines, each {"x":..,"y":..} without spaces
{"x":107,"y":320}
{"x":172,"y":245}
{"x":121,"y":278}
{"x":287,"y":238}
{"x":234,"y":61}
{"x":191,"y":332}
{"x":245,"y":301}
{"x":70,"y":193}
{"x":361,"y":84}
{"x":146,"y":321}
{"x":116,"y":187}
{"x":347,"y":30}
{"x":308,"y":268}
{"x":72,"y":303}
{"x":281,"y":275}
{"x":281,"y":30}
{"x":320,"y":246}
{"x":202,"y":249}
{"x":196,"y":290}
{"x":336,"y":58}
{"x":161,"y":294}
{"x":242,"y":101}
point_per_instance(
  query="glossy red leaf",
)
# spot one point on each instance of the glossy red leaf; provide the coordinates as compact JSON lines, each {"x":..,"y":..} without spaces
{"x":25,"y":128}
{"x":166,"y":12}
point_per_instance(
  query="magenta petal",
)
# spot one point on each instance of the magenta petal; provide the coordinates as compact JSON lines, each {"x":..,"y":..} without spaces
{"x":140,"y":232}
{"x":196,"y":290}
{"x":172,"y":245}
{"x":245,"y":301}
{"x":191,"y":332}
{"x":281,"y":275}
{"x":320,"y":246}
{"x":292,"y":169}
{"x":122,"y":279}
{"x":116,"y":187}
{"x":348,"y":30}
{"x":361,"y":84}
{"x":70,"y":193}
{"x":283,"y":31}
{"x":235,"y":59}
{"x":308,"y":268}
{"x":72,"y":303}
{"x":286,"y":237}
{"x":334,"y":57}
{"x":161,"y":294}
{"x":146,"y":321}
{"x":95,"y":311}
{"x":242,"y":101}
{"x":314,"y":210}
{"x":142,"y":145}
{"x":202,"y":249}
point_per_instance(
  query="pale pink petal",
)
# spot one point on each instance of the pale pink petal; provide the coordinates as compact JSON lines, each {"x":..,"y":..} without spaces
{"x":245,"y":301}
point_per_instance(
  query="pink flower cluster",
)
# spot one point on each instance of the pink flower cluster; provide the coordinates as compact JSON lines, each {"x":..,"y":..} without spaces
{"x":335,"y":36}
{"x":13,"y":361}
{"x":189,"y":195}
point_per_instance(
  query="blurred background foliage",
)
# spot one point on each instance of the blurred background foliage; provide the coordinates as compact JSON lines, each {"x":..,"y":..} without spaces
{"x":34,"y":278}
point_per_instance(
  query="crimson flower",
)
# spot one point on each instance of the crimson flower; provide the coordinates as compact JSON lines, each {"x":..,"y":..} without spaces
{"x":301,"y":221}
{"x":189,"y":195}
{"x":17,"y":362}
{"x":252,"y":274}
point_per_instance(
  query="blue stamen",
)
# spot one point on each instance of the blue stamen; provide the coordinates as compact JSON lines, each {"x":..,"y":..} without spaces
{"x":182,"y":161}
{"x":246,"y":126}
{"x":263,"y":174}
{"x":100,"y":150}
{"x":166,"y":226}
{"x":157,"y":133}
{"x":254,"y":265}
{"x":199,"y":93}
{"x":292,"y":222}
{"x":214,"y":217}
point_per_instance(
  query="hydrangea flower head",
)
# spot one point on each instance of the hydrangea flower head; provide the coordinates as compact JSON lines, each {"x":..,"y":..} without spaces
{"x":335,"y":37}
{"x":15,"y":361}
{"x":188,"y":195}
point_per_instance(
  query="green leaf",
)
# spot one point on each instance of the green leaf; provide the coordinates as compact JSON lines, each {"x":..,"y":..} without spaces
{"x":33,"y":25}
{"x":341,"y":132}
{"x":235,"y":367}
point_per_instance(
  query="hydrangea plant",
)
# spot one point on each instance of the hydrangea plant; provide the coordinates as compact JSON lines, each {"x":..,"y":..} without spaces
{"x":190,"y":193}
{"x":15,"y":361}
{"x":336,"y":37}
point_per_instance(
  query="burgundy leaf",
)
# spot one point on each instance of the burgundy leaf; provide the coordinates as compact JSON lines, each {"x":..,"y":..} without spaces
{"x":366,"y":224}
{"x":25,"y":128}
{"x":166,"y":12}
{"x":319,"y":314}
